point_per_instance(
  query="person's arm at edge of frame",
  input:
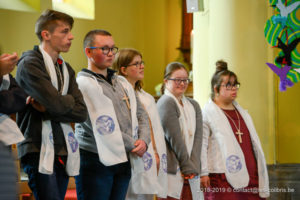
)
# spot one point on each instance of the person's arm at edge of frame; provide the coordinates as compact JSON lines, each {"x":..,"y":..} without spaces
{"x":12,"y":100}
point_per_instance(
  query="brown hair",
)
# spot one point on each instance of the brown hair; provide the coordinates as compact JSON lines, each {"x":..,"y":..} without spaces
{"x":221,"y":71}
{"x":123,"y":59}
{"x":48,"y":21}
{"x":88,"y":40}
{"x":170,"y":68}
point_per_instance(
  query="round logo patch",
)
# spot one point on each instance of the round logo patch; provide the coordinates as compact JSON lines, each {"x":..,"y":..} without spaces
{"x":73,"y":142}
{"x":105,"y":125}
{"x":136,"y":136}
{"x":164,"y":162}
{"x":233,"y":164}
{"x":147,"y":159}
{"x":51,"y":138}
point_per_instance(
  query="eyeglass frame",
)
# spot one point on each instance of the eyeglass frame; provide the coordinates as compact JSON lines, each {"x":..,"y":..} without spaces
{"x":229,"y":86}
{"x":103,"y":49}
{"x":137,"y":64}
{"x":185,"y":81}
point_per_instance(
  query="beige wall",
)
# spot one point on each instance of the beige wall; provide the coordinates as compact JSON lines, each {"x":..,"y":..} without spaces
{"x":288,"y":137}
{"x":287,"y":119}
{"x":153,"y":27}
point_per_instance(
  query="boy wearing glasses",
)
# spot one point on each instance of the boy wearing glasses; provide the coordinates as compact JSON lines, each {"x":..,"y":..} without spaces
{"x":50,"y":154}
{"x":116,"y":128}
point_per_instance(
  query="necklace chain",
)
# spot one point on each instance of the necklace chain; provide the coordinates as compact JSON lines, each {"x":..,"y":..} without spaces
{"x":239,"y":133}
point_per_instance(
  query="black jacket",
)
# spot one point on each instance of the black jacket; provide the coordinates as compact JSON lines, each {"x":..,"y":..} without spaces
{"x":13,"y":99}
{"x":36,"y":82}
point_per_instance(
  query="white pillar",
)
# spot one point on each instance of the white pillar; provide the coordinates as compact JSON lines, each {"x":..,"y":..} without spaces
{"x":233,"y":30}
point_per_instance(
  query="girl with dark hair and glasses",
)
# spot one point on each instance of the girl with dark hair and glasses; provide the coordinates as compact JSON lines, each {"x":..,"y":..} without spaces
{"x":181,"y":119}
{"x":233,"y":165}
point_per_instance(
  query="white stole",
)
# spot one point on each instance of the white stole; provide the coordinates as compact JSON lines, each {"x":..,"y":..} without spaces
{"x":9,"y":131}
{"x":106,"y":129}
{"x":263,"y":177}
{"x":149,"y":181}
{"x":233,"y":158}
{"x":187,"y":121}
{"x":47,"y":146}
{"x":137,"y":163}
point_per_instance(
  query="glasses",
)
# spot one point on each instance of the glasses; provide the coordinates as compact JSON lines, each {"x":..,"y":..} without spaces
{"x":178,"y":81}
{"x":137,"y":64}
{"x":106,"y":50}
{"x":229,"y":86}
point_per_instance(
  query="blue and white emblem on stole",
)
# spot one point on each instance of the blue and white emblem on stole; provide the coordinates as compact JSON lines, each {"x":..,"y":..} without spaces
{"x":233,"y":164}
{"x":105,"y":125}
{"x":51,"y":137}
{"x":136,"y":135}
{"x":73,"y":142}
{"x":164,"y":162}
{"x":147,"y":159}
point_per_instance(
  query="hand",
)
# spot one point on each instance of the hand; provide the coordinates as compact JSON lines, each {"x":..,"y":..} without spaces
{"x":7,"y":63}
{"x":188,"y":176}
{"x":140,"y":148}
{"x":205,"y":182}
{"x":36,"y":105}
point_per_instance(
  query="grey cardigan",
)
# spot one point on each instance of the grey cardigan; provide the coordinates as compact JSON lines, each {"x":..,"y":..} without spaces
{"x":84,"y":131}
{"x":177,"y":153}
